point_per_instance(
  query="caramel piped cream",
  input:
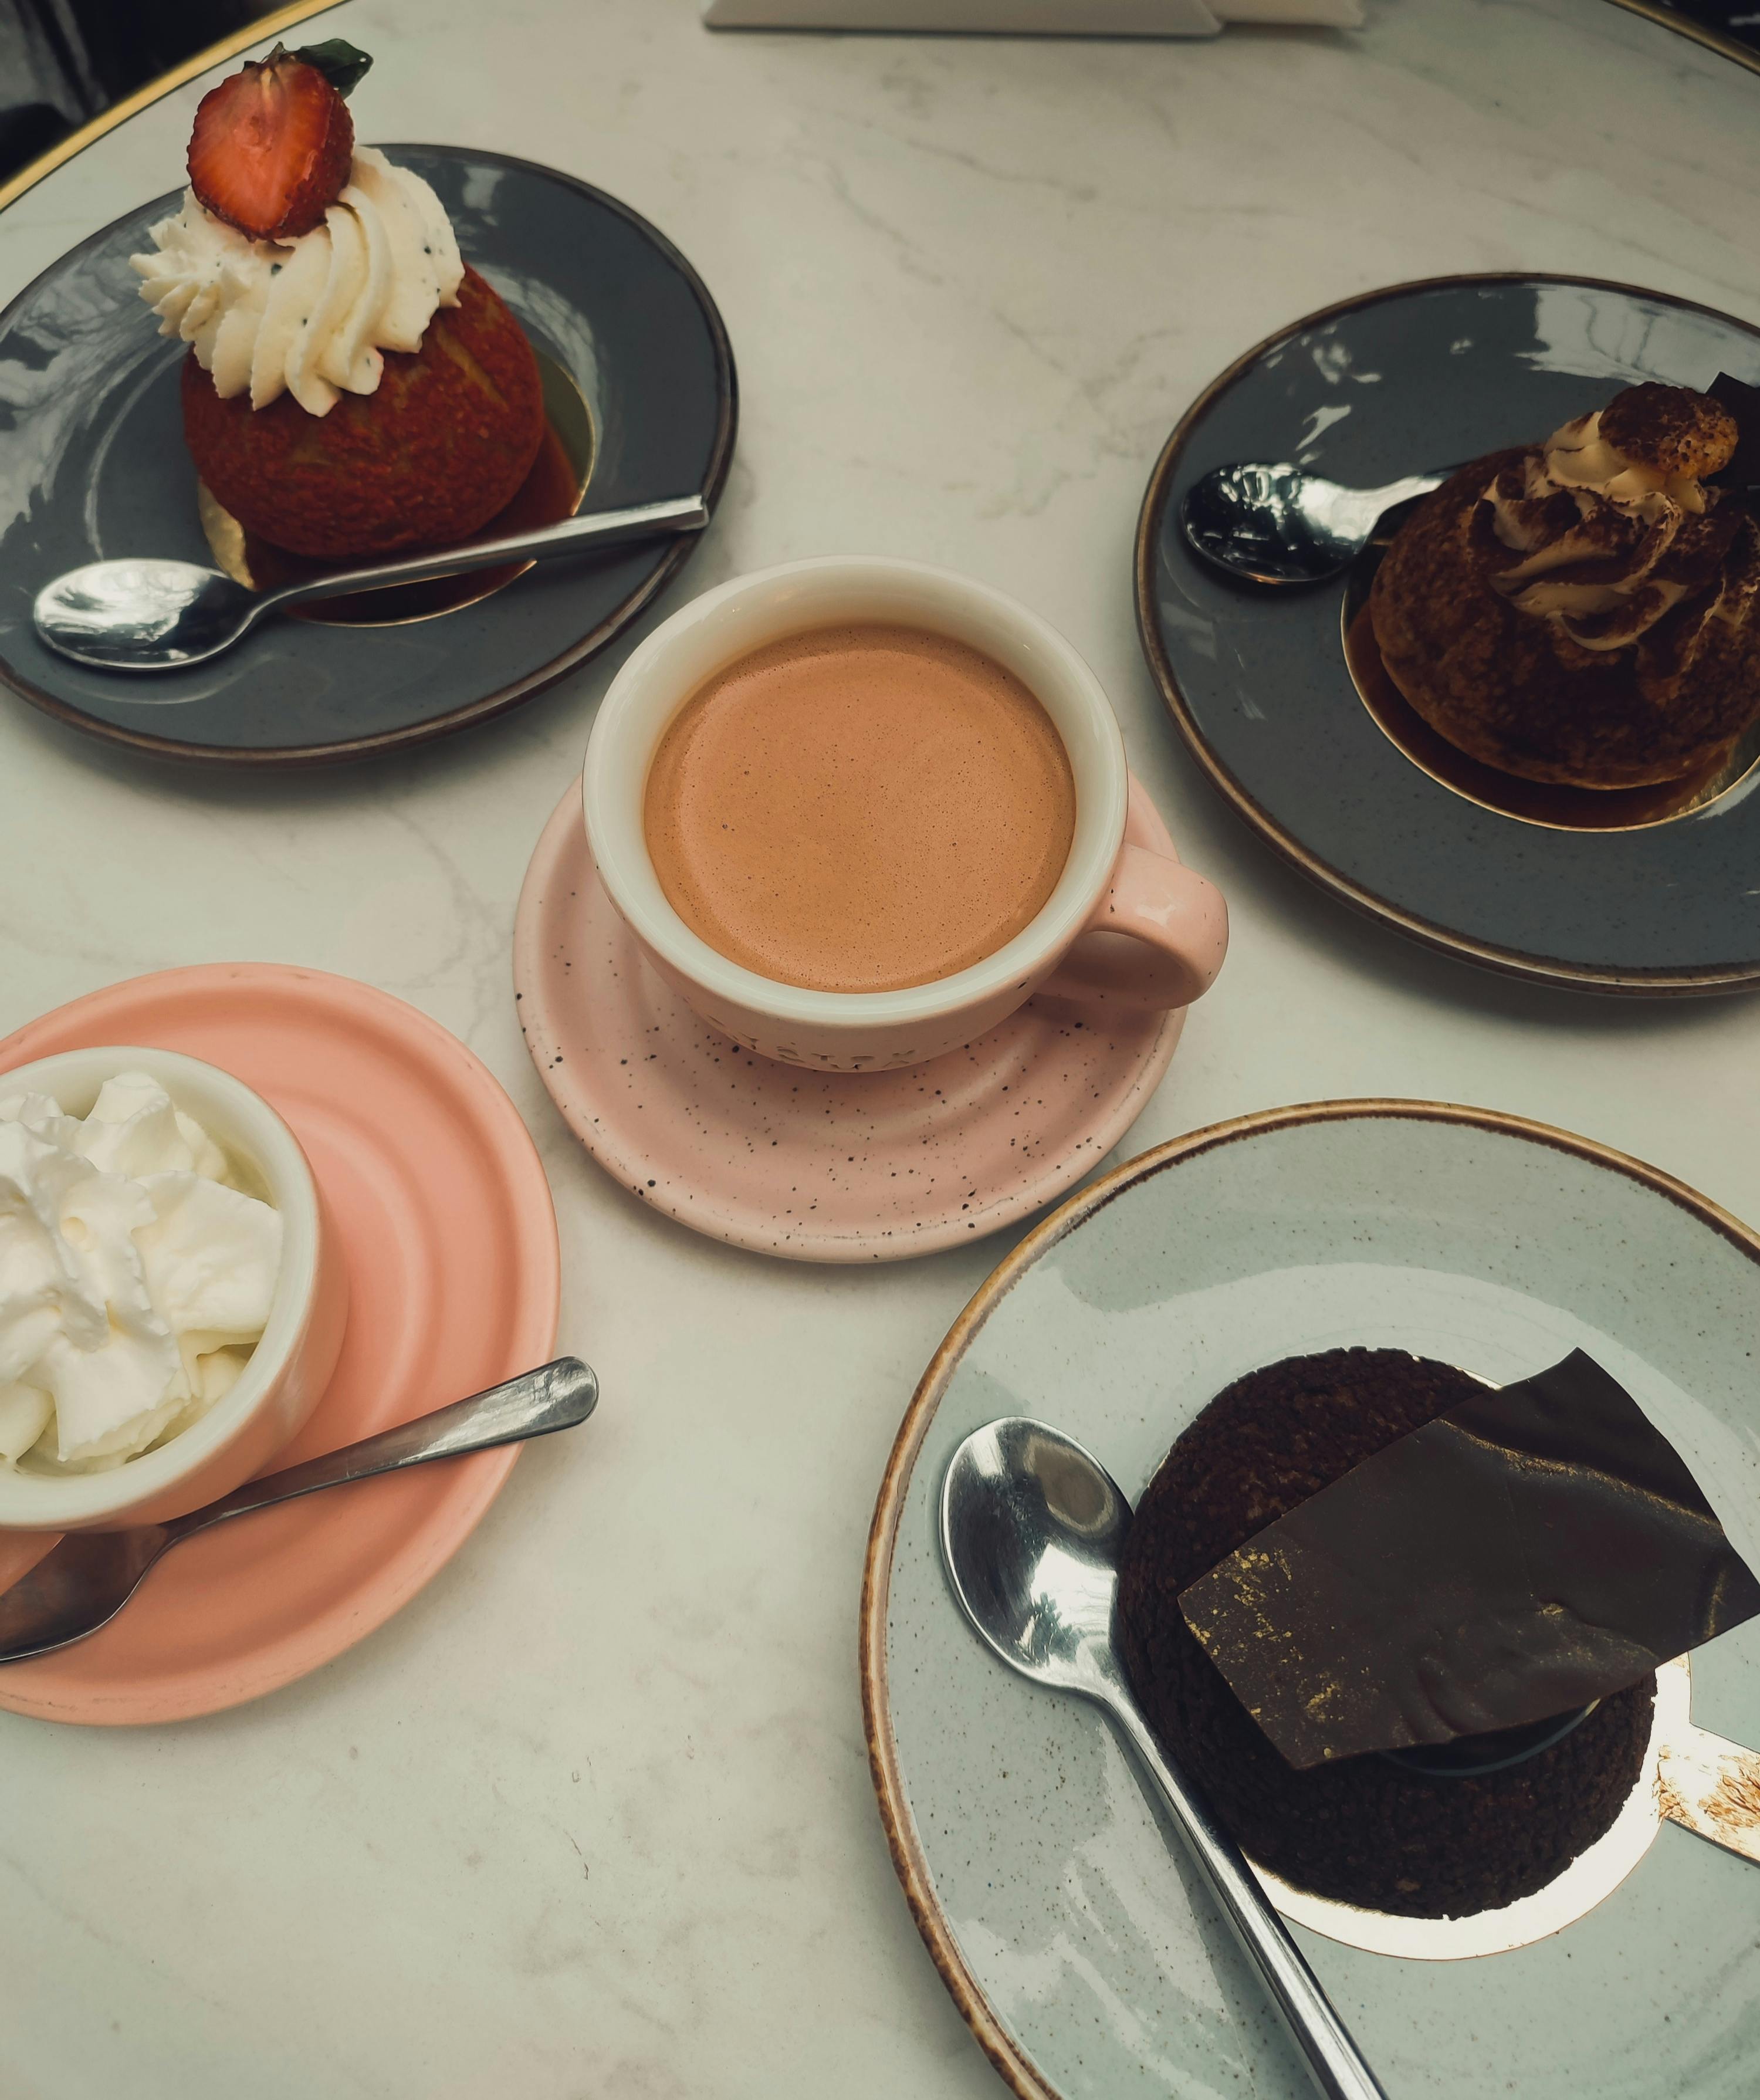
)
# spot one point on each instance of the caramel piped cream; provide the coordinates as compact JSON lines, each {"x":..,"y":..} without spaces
{"x":1591,"y":525}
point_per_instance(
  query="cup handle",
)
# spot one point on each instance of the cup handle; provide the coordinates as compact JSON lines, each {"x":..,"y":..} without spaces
{"x":1155,"y":940}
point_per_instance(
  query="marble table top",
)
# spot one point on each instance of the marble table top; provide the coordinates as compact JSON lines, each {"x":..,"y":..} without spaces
{"x":593,"y":1816}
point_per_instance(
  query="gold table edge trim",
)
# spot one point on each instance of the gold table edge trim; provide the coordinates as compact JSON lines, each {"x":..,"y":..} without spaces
{"x":300,"y":11}
{"x":213,"y":54}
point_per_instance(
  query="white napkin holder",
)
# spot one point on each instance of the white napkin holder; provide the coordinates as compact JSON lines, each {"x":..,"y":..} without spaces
{"x":1029,"y":18}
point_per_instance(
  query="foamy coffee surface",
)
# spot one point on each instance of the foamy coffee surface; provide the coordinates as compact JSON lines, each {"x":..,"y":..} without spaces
{"x":859,"y":809}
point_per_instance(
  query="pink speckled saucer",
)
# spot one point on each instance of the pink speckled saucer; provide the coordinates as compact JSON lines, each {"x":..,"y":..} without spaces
{"x":818,"y":1166}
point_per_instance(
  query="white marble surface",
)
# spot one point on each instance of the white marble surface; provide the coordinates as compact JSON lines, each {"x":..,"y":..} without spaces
{"x":593,"y":1817}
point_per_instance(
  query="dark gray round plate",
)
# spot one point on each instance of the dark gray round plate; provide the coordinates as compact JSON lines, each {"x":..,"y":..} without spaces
{"x":92,"y":465}
{"x":1418,"y":376}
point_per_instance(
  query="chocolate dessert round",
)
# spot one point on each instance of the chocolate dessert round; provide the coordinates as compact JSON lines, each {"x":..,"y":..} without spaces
{"x":1363,"y":1830}
{"x":442,"y":444}
{"x":1585,"y":611}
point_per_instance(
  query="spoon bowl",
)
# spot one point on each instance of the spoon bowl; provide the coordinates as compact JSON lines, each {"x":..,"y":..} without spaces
{"x":1031,"y":1529}
{"x":75,"y":1588}
{"x":114,"y":614}
{"x":1277,"y":524}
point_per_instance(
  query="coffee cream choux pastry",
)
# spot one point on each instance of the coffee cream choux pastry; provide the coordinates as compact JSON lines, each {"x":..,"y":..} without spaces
{"x":1585,"y":611}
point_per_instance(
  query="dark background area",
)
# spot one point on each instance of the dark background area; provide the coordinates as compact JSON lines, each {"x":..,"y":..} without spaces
{"x":63,"y":62}
{"x":1740,"y":19}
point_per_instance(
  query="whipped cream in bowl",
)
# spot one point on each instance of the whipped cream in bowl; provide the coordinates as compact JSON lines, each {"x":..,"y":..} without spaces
{"x":172,"y":1293}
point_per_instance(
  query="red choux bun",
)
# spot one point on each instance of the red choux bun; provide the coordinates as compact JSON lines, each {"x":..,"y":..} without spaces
{"x":440,"y":447}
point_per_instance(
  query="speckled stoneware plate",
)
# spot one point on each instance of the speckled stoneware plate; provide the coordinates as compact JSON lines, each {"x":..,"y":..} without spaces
{"x":93,"y":465}
{"x":1390,"y":383}
{"x":1073,"y":1938}
{"x":835,"y":1167}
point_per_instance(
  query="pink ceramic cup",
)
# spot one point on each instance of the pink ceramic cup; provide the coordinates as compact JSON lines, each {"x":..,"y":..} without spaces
{"x":289,"y":1369}
{"x":1173,"y":923}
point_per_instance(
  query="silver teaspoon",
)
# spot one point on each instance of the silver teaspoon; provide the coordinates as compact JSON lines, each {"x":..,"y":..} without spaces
{"x":143,"y":614}
{"x":83,"y":1583}
{"x":1031,"y":1529}
{"x":1275,"y":524}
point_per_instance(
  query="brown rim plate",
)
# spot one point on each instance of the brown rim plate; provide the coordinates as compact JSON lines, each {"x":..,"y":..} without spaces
{"x":1412,"y":376}
{"x":93,"y":465}
{"x":1068,"y":1930}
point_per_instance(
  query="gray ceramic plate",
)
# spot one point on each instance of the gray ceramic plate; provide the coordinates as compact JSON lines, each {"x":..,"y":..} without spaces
{"x":1069,"y":1932}
{"x":92,"y":464}
{"x":1420,"y":376}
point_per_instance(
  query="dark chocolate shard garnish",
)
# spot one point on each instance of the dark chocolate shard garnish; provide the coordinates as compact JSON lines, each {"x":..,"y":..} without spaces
{"x":1743,"y":402}
{"x":1533,"y":1549}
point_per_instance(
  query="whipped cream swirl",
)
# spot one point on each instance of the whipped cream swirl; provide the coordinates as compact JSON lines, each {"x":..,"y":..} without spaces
{"x":134,"y":1279}
{"x":311,"y":316}
{"x":1609,"y":544}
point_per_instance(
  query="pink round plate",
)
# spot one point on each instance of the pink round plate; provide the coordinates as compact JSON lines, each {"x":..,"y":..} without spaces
{"x":450,"y":1236}
{"x":818,"y":1166}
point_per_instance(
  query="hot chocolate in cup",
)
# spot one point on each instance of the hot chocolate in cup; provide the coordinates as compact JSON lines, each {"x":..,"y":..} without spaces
{"x":1122,"y":924}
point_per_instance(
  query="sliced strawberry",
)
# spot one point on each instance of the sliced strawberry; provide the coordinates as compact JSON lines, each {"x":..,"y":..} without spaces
{"x":272,"y":148}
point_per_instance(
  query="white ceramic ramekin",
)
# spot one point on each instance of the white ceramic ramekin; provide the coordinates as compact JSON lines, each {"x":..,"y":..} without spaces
{"x":289,"y":1367}
{"x":1177,"y":922}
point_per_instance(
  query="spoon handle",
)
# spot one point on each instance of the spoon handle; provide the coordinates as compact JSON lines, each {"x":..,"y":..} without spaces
{"x":1334,"y":2060}
{"x":599,"y":528}
{"x":555,"y":1396}
{"x":1377,"y":502}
